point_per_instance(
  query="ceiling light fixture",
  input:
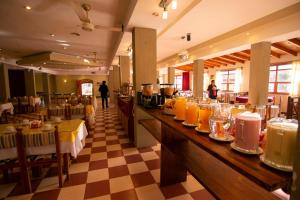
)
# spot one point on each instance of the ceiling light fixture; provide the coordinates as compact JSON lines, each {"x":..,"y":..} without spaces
{"x":27,"y":7}
{"x":174,"y":4}
{"x":165,"y":13}
{"x":86,"y":60}
{"x":65,"y":44}
{"x":52,"y":35}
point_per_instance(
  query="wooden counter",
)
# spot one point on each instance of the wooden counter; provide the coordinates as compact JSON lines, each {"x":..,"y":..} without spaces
{"x":226,"y":173}
{"x":125,"y":106}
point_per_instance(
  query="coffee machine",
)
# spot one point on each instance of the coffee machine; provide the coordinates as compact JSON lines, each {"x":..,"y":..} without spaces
{"x":166,"y":92}
{"x":147,"y":98}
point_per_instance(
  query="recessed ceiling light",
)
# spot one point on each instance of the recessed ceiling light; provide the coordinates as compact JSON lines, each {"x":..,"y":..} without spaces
{"x":27,"y":7}
{"x":86,"y":60}
{"x":64,"y":41}
{"x":52,"y":35}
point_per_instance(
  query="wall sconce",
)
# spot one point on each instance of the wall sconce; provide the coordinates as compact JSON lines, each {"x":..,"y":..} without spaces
{"x":165,"y":13}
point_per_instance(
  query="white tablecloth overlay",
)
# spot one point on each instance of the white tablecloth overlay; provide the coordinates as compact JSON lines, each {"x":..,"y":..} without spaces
{"x":6,"y":106}
{"x":35,"y":101}
{"x":66,"y":147}
{"x":95,"y":103}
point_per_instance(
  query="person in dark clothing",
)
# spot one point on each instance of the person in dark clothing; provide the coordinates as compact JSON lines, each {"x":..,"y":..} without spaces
{"x":103,"y":89}
{"x":212,"y":90}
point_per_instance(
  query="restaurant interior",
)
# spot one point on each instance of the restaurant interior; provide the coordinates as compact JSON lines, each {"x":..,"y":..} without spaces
{"x":203,"y":99}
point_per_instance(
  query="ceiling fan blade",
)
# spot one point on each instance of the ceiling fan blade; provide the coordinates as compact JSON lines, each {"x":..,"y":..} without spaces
{"x":77,"y":7}
{"x":115,"y":29}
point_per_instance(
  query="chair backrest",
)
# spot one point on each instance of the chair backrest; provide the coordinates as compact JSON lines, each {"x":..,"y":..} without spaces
{"x":68,"y":114}
{"x":292,"y":108}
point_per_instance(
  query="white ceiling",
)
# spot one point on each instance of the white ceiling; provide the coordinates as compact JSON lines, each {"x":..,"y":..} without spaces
{"x":26,"y":32}
{"x":208,"y":19}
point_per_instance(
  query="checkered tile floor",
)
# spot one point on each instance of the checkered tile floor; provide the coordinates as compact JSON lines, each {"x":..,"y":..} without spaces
{"x":109,"y":167}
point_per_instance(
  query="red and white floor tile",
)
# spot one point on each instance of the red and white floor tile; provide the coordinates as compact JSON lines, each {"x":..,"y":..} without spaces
{"x":109,"y":167}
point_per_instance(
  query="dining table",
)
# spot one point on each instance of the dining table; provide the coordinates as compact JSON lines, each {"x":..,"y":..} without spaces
{"x":244,"y":99}
{"x":41,"y":141}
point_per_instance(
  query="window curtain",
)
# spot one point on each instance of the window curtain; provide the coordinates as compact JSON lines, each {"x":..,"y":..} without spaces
{"x":295,"y":86}
{"x":218,"y":80}
{"x":185,"y":81}
{"x":238,"y":80}
{"x":205,"y":81}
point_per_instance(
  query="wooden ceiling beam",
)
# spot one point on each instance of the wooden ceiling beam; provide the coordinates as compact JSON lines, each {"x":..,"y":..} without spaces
{"x":216,"y":62}
{"x":240,"y":56}
{"x":248,"y":52}
{"x":232,"y":58}
{"x":285,"y":49}
{"x":295,"y":41}
{"x":275,"y":54}
{"x":224,"y":61}
{"x":211,"y":64}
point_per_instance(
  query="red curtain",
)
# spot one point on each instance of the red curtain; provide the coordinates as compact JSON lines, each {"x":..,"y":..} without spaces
{"x":185,"y":80}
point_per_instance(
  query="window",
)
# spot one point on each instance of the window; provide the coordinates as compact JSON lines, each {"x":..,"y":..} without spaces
{"x":87,"y":88}
{"x":178,"y":82}
{"x":280,"y":78}
{"x":227,"y":80}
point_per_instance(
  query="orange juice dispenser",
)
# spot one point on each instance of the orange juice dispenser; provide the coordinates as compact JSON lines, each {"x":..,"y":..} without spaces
{"x":205,"y":111}
{"x":191,"y":114}
{"x":180,"y":108}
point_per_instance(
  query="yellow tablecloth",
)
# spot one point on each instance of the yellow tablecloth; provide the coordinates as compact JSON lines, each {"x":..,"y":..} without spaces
{"x":68,"y":131}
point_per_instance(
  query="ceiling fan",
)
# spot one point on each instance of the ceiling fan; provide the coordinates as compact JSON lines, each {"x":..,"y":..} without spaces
{"x":86,"y":24}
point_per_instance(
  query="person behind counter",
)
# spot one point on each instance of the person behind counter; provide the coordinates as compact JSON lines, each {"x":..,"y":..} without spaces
{"x":212,"y":90}
{"x":103,"y":89}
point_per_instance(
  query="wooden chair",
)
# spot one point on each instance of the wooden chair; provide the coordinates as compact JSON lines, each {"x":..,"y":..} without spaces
{"x":292,"y":110}
{"x":24,"y":104}
{"x":59,"y":159}
{"x":68,"y":114}
{"x":20,"y":162}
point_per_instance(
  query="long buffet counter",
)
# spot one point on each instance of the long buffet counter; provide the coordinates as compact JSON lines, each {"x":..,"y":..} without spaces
{"x":227,"y":174}
{"x":125,"y":112}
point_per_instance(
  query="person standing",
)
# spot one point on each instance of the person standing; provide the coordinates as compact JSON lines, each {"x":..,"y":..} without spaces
{"x":212,"y":90}
{"x":103,"y":89}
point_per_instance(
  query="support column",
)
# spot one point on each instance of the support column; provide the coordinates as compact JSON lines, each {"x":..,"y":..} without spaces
{"x":4,"y":83}
{"x":198,"y":73}
{"x":171,"y":75}
{"x":125,"y":69}
{"x":116,"y":77}
{"x":46,"y":88}
{"x":259,"y":73}
{"x":110,"y":86}
{"x":191,"y":77}
{"x":144,"y":71}
{"x":30,"y":83}
{"x":295,"y":188}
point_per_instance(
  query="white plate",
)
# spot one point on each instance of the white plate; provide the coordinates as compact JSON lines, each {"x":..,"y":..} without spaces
{"x":189,"y":125}
{"x":245,"y":151}
{"x":175,"y":118}
{"x":168,"y":112}
{"x":229,"y":138}
{"x":284,"y":168}
{"x":201,"y":131}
